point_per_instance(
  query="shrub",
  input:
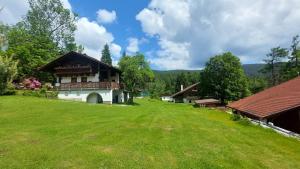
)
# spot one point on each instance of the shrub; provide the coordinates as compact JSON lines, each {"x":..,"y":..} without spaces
{"x":235,"y":117}
{"x":31,"y":83}
{"x":241,"y":120}
{"x":41,"y":93}
{"x":10,"y":90}
{"x":244,"y":121}
{"x":8,"y":70}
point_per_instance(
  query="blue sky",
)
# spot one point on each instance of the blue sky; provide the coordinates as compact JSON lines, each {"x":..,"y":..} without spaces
{"x":178,"y":34}
{"x":125,"y":26}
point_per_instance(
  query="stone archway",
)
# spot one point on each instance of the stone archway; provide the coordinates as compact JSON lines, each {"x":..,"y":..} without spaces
{"x":94,"y":98}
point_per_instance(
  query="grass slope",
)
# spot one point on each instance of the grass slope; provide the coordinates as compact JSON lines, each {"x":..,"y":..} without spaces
{"x":40,"y":133}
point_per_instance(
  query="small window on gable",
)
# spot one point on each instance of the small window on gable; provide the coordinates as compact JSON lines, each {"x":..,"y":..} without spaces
{"x":74,"y":80}
{"x":83,"y":79}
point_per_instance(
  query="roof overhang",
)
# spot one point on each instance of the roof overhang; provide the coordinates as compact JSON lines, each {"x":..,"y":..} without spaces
{"x":50,"y":66}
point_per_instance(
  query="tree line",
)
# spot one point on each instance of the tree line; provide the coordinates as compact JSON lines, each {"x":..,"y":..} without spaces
{"x":223,"y":77}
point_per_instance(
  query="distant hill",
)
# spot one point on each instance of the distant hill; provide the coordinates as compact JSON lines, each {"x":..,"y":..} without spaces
{"x":253,"y":69}
{"x":162,"y":72}
{"x":250,"y":70}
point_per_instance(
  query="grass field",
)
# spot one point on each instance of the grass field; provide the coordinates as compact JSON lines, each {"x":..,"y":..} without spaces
{"x":40,"y":133}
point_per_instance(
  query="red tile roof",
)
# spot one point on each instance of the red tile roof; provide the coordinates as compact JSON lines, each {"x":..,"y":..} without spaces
{"x":271,"y":101}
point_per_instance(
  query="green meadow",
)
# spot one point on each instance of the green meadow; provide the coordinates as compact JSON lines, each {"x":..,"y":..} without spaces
{"x":41,"y":133}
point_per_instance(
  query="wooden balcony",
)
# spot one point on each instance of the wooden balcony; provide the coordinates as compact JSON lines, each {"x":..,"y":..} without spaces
{"x":90,"y":85}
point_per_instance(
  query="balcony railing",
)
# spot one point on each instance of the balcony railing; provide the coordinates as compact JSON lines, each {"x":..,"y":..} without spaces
{"x":90,"y":85}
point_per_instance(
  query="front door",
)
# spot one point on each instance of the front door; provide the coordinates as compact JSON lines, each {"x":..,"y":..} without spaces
{"x":116,"y":99}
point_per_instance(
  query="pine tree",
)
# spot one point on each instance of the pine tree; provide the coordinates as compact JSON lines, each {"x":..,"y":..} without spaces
{"x":106,"y":58}
{"x":274,"y":64}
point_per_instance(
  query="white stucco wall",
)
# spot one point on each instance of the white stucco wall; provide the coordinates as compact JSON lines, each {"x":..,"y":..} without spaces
{"x":82,"y":95}
{"x":107,"y":95}
{"x":167,"y":98}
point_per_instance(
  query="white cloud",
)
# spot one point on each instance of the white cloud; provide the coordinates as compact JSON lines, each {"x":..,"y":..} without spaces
{"x":105,"y":16}
{"x":93,"y":37}
{"x":13,"y":11}
{"x":172,"y":55}
{"x":133,"y":46}
{"x":66,"y":4}
{"x":200,"y":29}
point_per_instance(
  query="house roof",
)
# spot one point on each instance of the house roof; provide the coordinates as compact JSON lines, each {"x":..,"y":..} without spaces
{"x":185,"y":90}
{"x":272,"y":101}
{"x":206,"y":101}
{"x":72,"y":53}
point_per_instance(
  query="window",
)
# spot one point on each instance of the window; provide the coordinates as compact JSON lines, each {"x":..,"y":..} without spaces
{"x":74,"y":80}
{"x":66,"y":93}
{"x":78,"y":93}
{"x":83,"y":79}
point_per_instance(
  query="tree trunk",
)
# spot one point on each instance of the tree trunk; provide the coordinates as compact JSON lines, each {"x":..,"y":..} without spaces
{"x":273,"y":74}
{"x":130,"y":100}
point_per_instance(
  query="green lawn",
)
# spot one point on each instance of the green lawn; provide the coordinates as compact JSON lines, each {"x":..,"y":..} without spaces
{"x":41,"y":133}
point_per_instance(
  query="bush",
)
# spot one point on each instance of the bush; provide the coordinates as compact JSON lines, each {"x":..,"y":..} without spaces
{"x":10,"y":90}
{"x":244,"y":121}
{"x":235,"y":117}
{"x":31,"y":83}
{"x":241,"y":120}
{"x":8,"y":70}
{"x":41,"y":93}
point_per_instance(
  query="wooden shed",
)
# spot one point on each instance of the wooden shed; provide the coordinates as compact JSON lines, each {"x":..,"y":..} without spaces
{"x":279,"y":105}
{"x":207,"y":103}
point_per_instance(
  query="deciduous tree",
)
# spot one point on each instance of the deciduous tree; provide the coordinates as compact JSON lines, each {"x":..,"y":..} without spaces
{"x":224,"y":78}
{"x":49,"y":18}
{"x":46,"y":32}
{"x":136,"y":72}
{"x":156,"y":89}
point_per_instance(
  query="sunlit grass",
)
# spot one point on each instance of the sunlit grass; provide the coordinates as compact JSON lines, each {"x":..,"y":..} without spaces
{"x":41,"y":133}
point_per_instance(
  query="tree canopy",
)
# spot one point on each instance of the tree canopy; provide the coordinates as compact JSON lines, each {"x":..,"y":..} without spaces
{"x":223,"y":78}
{"x":49,"y":18}
{"x":136,"y":72}
{"x":274,"y":63}
{"x":8,"y":70}
{"x":46,"y":32}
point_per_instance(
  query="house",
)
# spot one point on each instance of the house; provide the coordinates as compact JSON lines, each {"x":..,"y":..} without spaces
{"x":187,"y":95}
{"x":278,"y":106}
{"x":83,"y":78}
{"x":166,"y":98}
{"x":207,"y":103}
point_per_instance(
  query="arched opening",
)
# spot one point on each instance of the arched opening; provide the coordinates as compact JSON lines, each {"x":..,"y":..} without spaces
{"x":94,"y":98}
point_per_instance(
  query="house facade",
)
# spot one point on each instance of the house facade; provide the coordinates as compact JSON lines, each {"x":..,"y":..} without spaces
{"x":186,"y":95}
{"x":83,"y":78}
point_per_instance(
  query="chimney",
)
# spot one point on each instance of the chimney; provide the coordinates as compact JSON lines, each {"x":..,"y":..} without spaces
{"x":181,"y":87}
